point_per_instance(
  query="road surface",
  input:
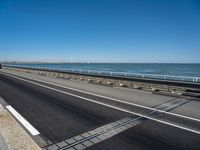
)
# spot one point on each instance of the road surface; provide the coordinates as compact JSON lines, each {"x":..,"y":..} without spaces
{"x":60,"y":114}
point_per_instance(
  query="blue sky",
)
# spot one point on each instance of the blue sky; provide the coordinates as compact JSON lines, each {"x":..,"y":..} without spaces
{"x":100,"y":30}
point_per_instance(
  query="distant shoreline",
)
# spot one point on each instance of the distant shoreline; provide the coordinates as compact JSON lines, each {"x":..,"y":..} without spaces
{"x":175,"y":69}
{"x":96,"y":63}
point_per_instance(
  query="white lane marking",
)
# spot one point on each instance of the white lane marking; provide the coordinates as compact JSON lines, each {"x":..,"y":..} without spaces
{"x":114,"y":107}
{"x":114,"y":128}
{"x":110,"y":98}
{"x":23,"y":121}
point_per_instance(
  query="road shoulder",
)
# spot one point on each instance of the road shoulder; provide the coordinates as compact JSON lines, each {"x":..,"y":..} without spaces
{"x":12,"y":135}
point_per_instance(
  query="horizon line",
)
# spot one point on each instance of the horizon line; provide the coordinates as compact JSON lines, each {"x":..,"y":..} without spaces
{"x":88,"y":62}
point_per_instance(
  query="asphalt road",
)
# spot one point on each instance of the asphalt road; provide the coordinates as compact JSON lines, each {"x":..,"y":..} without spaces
{"x":59,"y":116}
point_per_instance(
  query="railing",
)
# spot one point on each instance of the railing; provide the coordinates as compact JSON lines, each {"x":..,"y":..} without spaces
{"x":118,"y":74}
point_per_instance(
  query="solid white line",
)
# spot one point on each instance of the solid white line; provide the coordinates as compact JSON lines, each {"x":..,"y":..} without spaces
{"x":23,"y":121}
{"x":114,"y":107}
{"x":112,"y":99}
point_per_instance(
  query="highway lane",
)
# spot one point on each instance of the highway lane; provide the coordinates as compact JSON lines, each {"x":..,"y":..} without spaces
{"x":122,"y":104}
{"x":150,"y":135}
{"x":59,"y":116}
{"x":129,"y":96}
{"x":125,"y":94}
{"x":56,"y":115}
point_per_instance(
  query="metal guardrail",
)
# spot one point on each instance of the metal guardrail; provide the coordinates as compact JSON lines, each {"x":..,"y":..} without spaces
{"x":118,"y":74}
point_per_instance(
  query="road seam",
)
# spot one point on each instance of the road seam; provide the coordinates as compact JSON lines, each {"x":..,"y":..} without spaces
{"x":102,"y":133}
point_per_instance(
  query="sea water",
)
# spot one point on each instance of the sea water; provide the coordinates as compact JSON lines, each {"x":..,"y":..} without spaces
{"x":192,"y":70}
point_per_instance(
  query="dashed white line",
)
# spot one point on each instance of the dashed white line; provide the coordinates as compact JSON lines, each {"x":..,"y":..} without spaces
{"x":114,"y":107}
{"x":23,"y":121}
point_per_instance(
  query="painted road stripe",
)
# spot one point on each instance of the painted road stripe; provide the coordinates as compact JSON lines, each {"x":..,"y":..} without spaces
{"x":23,"y":121}
{"x":114,"y":107}
{"x":110,"y":98}
{"x":107,"y":131}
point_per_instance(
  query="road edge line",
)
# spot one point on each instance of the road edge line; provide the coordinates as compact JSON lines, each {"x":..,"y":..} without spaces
{"x":23,"y":121}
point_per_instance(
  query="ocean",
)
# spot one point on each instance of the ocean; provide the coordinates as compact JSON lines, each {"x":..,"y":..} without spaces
{"x":191,"y":70}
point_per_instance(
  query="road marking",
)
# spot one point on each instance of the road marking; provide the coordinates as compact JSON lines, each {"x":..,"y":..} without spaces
{"x":100,"y":134}
{"x":110,"y":98}
{"x":23,"y":121}
{"x":40,"y":140}
{"x":114,"y":107}
{"x":171,"y":104}
{"x":107,"y":131}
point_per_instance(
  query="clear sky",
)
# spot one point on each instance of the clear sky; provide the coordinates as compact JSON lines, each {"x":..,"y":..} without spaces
{"x":100,"y":30}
